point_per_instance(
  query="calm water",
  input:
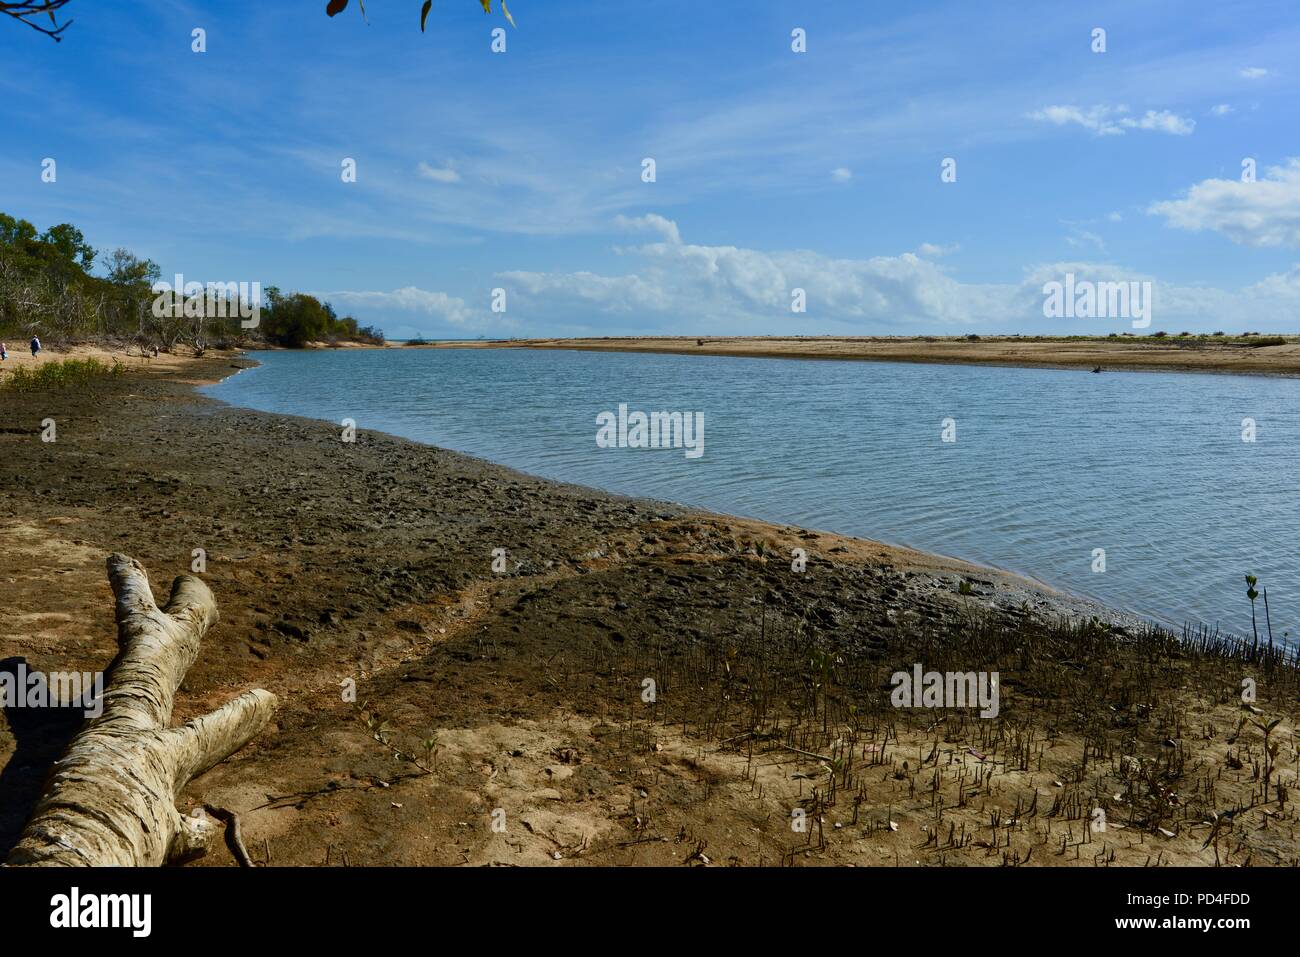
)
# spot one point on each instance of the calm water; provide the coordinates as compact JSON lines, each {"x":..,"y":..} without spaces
{"x":1048,"y":465}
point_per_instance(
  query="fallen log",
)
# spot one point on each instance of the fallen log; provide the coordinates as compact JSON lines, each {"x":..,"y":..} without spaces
{"x":111,"y":799}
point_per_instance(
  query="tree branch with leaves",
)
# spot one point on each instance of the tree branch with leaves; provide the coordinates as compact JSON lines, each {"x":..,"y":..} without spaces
{"x":34,"y":12}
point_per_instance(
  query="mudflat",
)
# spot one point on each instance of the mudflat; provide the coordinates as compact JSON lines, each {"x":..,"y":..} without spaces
{"x":1171,"y":353}
{"x":629,"y":682}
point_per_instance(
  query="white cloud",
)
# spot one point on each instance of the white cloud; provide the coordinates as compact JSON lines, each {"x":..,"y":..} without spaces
{"x":409,"y":299}
{"x":1115,"y":216}
{"x":1263,"y":213}
{"x":652,"y":222}
{"x":1084,"y":237}
{"x":1174,"y":307}
{"x":613,"y":294}
{"x":841,"y":174}
{"x":680,"y":281}
{"x":1254,"y":72}
{"x":1162,"y":121}
{"x":1279,"y":286}
{"x":1106,"y":120}
{"x":438,"y":175}
{"x":684,"y":288}
{"x":1097,"y":119}
{"x":935,"y":250}
{"x":1222,"y":109}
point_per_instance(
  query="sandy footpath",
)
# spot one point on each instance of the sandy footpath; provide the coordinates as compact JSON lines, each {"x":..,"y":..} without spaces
{"x":1172,"y":354}
{"x":766,"y":734}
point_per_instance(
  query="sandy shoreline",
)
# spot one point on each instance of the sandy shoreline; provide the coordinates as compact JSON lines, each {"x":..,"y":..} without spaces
{"x":1171,"y":354}
{"x":1145,"y":354}
{"x":373,"y":561}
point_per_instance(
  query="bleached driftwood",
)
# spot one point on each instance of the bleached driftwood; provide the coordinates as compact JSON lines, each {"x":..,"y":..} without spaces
{"x":111,"y":798}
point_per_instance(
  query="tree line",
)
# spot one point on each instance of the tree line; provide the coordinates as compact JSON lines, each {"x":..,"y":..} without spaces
{"x":49,"y":288}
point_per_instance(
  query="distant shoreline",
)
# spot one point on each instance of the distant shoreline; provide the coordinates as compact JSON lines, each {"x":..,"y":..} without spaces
{"x":1235,"y":355}
{"x":1170,"y":354}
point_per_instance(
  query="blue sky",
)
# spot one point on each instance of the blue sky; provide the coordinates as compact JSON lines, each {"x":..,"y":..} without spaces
{"x":775,"y":170}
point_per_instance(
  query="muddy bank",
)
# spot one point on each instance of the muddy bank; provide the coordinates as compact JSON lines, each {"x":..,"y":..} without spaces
{"x":766,"y":733}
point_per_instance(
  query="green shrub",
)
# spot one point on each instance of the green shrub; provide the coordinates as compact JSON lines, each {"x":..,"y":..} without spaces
{"x":64,"y":374}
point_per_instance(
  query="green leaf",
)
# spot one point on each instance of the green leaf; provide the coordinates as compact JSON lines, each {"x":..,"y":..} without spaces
{"x":487,"y":5}
{"x":424,"y":13}
{"x":335,"y":7}
{"x":507,"y":13}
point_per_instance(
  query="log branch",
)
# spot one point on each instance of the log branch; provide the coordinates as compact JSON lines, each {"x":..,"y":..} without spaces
{"x":111,"y":799}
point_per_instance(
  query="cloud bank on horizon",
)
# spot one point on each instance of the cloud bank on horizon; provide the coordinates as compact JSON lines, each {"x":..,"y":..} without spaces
{"x":682,"y":171}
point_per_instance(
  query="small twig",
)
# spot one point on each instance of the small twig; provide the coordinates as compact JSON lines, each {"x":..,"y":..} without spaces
{"x":737,"y":737}
{"x":819,"y":757}
{"x":292,"y":800}
{"x":234,"y":837}
{"x":1267,"y":619}
{"x":643,"y":840}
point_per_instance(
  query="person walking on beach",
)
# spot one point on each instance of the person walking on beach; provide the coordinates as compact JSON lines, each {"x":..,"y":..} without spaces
{"x":4,"y":352}
{"x":36,"y":346}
